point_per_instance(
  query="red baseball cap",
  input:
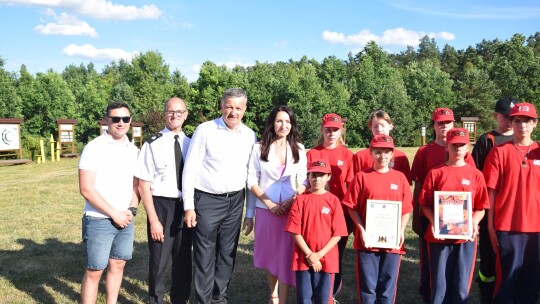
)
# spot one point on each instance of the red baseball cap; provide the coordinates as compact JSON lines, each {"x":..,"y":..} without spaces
{"x":319,"y":165}
{"x":442,"y":114}
{"x":457,"y":136}
{"x":382,"y":141}
{"x":524,"y":109}
{"x":331,"y":120}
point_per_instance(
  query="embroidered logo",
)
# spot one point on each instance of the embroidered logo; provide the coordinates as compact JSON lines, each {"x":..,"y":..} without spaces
{"x":524,"y":108}
{"x":536,"y":162}
{"x":465,"y":182}
{"x":325,"y":210}
{"x":393,"y":186}
{"x":340,"y":163}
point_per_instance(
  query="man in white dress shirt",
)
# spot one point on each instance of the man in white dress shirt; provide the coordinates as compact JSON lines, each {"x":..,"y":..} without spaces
{"x":160,"y":185}
{"x":214,"y":189}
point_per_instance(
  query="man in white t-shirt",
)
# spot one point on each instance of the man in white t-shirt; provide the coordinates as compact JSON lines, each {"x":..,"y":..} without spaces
{"x":107,"y":183}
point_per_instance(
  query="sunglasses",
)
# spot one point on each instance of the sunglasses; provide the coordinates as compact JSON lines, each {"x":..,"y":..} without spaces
{"x":116,"y":119}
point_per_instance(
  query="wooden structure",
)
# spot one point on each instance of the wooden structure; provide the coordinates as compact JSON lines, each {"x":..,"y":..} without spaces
{"x":10,"y":137}
{"x":137,"y":134}
{"x":10,"y":141}
{"x":66,"y":137}
{"x":469,"y":124}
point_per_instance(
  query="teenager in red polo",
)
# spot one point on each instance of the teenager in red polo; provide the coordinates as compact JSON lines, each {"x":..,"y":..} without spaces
{"x":377,"y":268}
{"x":330,"y":146}
{"x":317,"y":223}
{"x":512,"y":172}
{"x":427,"y":157}
{"x":451,"y":261}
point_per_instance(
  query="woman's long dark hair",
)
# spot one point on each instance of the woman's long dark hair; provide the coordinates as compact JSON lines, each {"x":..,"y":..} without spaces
{"x":269,"y":134}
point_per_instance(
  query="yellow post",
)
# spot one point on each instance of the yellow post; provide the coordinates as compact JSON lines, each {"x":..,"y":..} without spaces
{"x":51,"y":141}
{"x":42,"y":150}
{"x":58,"y":151}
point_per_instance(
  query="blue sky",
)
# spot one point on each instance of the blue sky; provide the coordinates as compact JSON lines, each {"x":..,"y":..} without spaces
{"x":45,"y":34}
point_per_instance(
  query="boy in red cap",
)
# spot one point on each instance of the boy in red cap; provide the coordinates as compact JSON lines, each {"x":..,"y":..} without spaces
{"x":330,"y":146}
{"x":512,"y":173}
{"x":487,"y":141}
{"x":451,"y":261}
{"x":378,"y":268}
{"x":316,"y":222}
{"x":427,"y":157}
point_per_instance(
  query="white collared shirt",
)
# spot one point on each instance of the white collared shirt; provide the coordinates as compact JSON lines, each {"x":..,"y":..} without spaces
{"x":114,"y":164}
{"x":217,"y":160}
{"x":272,"y":182}
{"x":157,"y":163}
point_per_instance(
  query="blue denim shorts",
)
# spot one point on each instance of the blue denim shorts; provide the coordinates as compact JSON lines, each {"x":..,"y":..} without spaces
{"x":103,"y":241}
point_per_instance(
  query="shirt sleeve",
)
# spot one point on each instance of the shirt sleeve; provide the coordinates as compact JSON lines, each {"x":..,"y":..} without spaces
{"x":353,"y":192}
{"x":301,"y":175}
{"x":426,"y":195}
{"x":491,"y":169}
{"x":145,"y":164}
{"x":406,"y":205}
{"x":194,"y":160}
{"x":89,"y":158}
{"x":481,"y":198}
{"x":295,"y":215}
{"x":350,"y":168}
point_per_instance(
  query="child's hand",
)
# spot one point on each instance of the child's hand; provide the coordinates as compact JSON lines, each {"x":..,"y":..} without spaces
{"x":317,"y":266}
{"x":313,"y":258}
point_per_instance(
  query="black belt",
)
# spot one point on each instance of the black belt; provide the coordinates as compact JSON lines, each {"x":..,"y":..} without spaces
{"x":226,"y":194}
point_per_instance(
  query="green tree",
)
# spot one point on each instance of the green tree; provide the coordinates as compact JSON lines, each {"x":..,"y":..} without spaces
{"x":10,"y":102}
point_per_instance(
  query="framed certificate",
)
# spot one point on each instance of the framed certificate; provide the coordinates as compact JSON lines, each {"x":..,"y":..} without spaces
{"x":383,"y":224}
{"x":452,"y":215}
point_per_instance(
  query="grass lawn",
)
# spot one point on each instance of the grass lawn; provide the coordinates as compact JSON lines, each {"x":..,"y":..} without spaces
{"x":42,"y":257}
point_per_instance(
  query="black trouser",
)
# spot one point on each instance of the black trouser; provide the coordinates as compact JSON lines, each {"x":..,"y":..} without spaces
{"x":176,"y":245}
{"x":219,"y":218}
{"x":486,"y":281}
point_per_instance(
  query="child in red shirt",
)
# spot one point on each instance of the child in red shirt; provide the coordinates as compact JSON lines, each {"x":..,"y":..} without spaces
{"x":378,"y":269}
{"x":317,"y":223}
{"x":451,"y":261}
{"x":330,"y":146}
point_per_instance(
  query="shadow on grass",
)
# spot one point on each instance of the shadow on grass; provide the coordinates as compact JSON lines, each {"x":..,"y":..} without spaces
{"x":53,"y":270}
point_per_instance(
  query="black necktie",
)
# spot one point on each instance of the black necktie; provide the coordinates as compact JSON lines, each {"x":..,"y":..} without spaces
{"x":178,"y":161}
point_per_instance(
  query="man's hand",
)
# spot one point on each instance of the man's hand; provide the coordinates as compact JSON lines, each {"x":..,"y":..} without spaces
{"x":248,"y":226}
{"x":190,"y":218}
{"x":156,"y":231}
{"x":122,"y":219}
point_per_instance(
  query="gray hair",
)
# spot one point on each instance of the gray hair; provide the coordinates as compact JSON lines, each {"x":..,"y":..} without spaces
{"x":233,"y":92}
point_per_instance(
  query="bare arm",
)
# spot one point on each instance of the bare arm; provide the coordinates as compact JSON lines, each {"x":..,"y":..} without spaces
{"x":301,"y":243}
{"x":87,"y":180}
{"x":359,"y":223}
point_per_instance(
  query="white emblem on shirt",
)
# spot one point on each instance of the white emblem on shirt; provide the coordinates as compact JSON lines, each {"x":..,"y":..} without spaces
{"x":393,"y":186}
{"x":536,"y":162}
{"x":325,"y":210}
{"x":465,"y":182}
{"x":340,"y":163}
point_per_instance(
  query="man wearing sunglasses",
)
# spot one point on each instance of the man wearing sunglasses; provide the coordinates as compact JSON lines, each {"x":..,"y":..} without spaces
{"x":214,"y":189}
{"x":160,"y":184}
{"x":107,"y":183}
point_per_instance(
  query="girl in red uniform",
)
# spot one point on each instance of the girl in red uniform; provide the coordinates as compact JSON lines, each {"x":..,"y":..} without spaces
{"x":451,"y":261}
{"x":330,"y":146}
{"x":317,"y":223}
{"x":378,"y":269}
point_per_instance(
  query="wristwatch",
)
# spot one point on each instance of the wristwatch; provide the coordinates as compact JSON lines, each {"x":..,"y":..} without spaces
{"x":133,"y":210}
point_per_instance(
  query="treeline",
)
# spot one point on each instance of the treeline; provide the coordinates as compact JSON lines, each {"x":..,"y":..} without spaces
{"x":408,"y":85}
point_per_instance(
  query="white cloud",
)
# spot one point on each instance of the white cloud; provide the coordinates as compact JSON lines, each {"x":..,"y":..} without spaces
{"x":281,"y":44}
{"x":99,"y":9}
{"x":90,"y":52}
{"x":399,"y":37}
{"x":65,"y":25}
